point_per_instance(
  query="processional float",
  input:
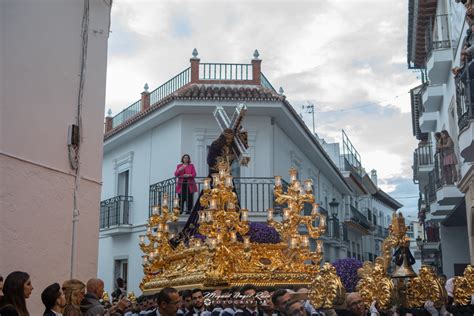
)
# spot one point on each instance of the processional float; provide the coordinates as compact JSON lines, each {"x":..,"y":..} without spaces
{"x":222,"y":254}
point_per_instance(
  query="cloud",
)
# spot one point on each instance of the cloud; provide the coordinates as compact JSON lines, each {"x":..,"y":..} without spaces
{"x":334,"y":54}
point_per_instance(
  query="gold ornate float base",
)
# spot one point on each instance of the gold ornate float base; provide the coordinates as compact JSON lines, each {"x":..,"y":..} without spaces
{"x":230,"y":265}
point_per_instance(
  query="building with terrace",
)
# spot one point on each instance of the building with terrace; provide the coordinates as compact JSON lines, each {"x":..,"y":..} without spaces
{"x":144,"y":143}
{"x":435,"y":38}
{"x":367,"y":212}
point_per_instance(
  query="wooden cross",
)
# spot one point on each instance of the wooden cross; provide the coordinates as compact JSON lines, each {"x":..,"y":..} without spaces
{"x":235,"y":124}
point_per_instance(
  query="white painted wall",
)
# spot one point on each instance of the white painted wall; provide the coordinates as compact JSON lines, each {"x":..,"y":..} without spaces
{"x":454,"y":248}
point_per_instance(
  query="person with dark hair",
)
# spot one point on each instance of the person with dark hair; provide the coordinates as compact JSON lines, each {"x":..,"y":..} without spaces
{"x":185,"y":184}
{"x":279,"y":298}
{"x":197,"y":302}
{"x":168,"y":301}
{"x":1,"y":285}
{"x":248,"y":291}
{"x":16,"y":288}
{"x":120,"y":290}
{"x":187,"y":302}
{"x":294,"y":307}
{"x":53,"y":300}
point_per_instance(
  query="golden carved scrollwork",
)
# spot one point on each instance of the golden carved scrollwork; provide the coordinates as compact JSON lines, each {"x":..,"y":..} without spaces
{"x":464,"y":287}
{"x":326,"y":288}
{"x":375,"y":284}
{"x":425,"y":287}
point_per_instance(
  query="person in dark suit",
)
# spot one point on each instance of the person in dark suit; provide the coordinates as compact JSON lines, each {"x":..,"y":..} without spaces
{"x":53,"y":299}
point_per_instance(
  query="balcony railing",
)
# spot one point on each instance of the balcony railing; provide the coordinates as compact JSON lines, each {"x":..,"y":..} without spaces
{"x":170,"y":86}
{"x":432,"y":234}
{"x":115,"y":211}
{"x":127,"y":113}
{"x":255,"y":194}
{"x":217,"y":71}
{"x":156,"y":96}
{"x":465,"y":95}
{"x":424,"y":155}
{"x":333,"y":228}
{"x":437,"y":34}
{"x":359,"y":218}
{"x":381,"y":232}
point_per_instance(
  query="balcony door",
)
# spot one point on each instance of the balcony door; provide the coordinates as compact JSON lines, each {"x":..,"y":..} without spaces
{"x":122,"y":190}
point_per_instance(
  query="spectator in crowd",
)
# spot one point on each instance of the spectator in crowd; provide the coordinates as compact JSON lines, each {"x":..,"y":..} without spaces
{"x":1,"y":285}
{"x":198,"y":303}
{"x":53,"y":300}
{"x":120,"y":290}
{"x":168,"y":302}
{"x":265,"y":306}
{"x":295,"y":308}
{"x":356,"y":306}
{"x":280,"y":298}
{"x":90,"y":305}
{"x":74,"y":291}
{"x":449,"y":158}
{"x":185,"y":186}
{"x":16,"y":289}
{"x":187,"y":302}
{"x":249,"y":291}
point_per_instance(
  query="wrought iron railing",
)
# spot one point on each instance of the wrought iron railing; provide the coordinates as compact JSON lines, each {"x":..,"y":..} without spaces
{"x":437,"y":34}
{"x":127,"y":113}
{"x":265,"y":83}
{"x":359,"y":218}
{"x":218,"y":71}
{"x":115,"y":211}
{"x":422,"y":157}
{"x":170,"y":86}
{"x":464,"y":95}
{"x":381,"y":232}
{"x":333,"y":228}
{"x":255,"y":194}
{"x":432,"y":234}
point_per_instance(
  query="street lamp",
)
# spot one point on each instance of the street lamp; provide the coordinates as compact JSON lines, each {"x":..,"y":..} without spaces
{"x":333,"y":205}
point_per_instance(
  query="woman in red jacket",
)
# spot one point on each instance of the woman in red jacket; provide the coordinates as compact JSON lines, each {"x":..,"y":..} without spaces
{"x":185,"y":186}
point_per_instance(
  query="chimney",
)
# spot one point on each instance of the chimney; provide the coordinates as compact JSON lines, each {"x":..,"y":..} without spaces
{"x":373,"y":176}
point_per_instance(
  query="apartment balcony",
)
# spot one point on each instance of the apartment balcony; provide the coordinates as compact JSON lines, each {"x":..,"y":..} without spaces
{"x":115,"y":215}
{"x":433,"y":98}
{"x":428,"y":121}
{"x":465,"y":109}
{"x":380,"y":232}
{"x":358,"y":222}
{"x":254,"y":194}
{"x":422,"y":163}
{"x":447,"y":194}
{"x":439,"y":56}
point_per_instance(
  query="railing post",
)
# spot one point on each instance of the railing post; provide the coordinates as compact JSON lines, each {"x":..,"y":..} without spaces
{"x":145,"y":99}
{"x":256,"y":70}
{"x":195,"y":67}
{"x":108,"y":123}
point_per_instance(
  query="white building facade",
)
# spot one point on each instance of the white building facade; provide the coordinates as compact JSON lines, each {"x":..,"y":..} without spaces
{"x":435,"y":39}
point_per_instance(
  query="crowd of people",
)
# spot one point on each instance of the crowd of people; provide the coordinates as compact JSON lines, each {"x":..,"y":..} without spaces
{"x":74,"y":298}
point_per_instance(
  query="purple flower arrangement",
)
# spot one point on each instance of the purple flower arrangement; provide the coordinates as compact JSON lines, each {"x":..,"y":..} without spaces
{"x":346,"y":269}
{"x":259,"y":233}
{"x":262,"y":233}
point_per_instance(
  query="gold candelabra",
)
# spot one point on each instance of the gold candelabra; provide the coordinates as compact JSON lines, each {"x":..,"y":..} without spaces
{"x":295,"y":198}
{"x":158,"y":233}
{"x":221,"y":219}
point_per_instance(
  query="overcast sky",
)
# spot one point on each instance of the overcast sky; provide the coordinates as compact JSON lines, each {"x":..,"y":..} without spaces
{"x":348,"y":58}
